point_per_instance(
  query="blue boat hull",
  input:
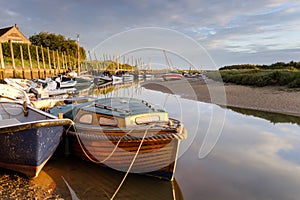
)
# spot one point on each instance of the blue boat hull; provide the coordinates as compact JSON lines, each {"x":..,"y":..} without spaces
{"x":28,"y":150}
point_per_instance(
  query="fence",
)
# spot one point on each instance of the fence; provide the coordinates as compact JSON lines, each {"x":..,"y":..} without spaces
{"x":19,"y":60}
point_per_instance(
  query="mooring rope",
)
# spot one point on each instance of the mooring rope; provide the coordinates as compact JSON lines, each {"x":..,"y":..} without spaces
{"x":131,"y":164}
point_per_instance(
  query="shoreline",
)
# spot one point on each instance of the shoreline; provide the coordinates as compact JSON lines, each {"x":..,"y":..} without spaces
{"x":269,"y":99}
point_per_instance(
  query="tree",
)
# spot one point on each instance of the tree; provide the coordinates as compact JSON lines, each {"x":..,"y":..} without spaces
{"x":57,"y":42}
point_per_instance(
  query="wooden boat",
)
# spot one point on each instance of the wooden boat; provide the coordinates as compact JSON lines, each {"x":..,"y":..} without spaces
{"x":172,"y":76}
{"x":28,"y":137}
{"x":125,"y":134}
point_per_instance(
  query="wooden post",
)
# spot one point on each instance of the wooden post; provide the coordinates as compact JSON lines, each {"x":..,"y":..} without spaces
{"x":58,"y":64}
{"x":37,"y":60}
{"x":63,"y":60}
{"x":37,"y":56}
{"x":54,"y":64}
{"x":12,"y":54}
{"x":1,"y":57}
{"x":29,"y":56}
{"x":30,"y":61}
{"x":69,"y":58}
{"x":43,"y":59}
{"x":22,"y":60}
{"x":66,"y":60}
{"x":2,"y":62}
{"x":78,"y":55}
{"x":12,"y":57}
{"x":49,"y":60}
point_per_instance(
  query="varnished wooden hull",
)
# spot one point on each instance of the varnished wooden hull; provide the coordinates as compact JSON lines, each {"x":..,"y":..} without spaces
{"x":157,"y":154}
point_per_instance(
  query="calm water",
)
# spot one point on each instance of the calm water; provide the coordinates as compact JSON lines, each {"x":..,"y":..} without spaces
{"x":228,"y":155}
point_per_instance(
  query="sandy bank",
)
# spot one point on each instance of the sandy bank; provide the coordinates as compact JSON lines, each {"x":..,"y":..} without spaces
{"x":272,"y":99}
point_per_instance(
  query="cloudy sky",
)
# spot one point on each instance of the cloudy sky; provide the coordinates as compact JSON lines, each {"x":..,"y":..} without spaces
{"x":229,"y":32}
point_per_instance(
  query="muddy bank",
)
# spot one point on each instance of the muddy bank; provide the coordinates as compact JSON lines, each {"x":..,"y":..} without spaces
{"x":271,"y":99}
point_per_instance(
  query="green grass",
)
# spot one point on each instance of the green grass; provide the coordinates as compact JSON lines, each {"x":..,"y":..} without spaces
{"x":260,"y":78}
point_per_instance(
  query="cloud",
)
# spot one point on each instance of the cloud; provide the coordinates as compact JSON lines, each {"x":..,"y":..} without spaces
{"x":248,"y":26}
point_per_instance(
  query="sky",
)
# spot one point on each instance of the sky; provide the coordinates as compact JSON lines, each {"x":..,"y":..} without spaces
{"x":199,"y":33}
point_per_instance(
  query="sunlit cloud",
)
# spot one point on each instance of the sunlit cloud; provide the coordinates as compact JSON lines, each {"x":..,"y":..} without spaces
{"x":248,"y":27}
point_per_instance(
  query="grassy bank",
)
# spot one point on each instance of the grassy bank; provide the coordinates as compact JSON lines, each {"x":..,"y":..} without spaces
{"x":289,"y":77}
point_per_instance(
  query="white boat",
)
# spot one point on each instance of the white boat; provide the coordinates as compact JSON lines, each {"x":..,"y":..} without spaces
{"x":149,"y":76}
{"x":117,"y":79}
{"x":65,"y":82}
{"x":127,"y":77}
{"x":11,"y":93}
{"x":40,"y":88}
{"x":140,"y":77}
{"x":99,"y":80}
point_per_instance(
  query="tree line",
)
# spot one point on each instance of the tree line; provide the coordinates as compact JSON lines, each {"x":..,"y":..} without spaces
{"x":47,"y":43}
{"x":278,"y":65}
{"x":57,"y":42}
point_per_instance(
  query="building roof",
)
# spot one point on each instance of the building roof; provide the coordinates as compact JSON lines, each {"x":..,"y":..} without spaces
{"x":5,"y":30}
{"x":14,"y":34}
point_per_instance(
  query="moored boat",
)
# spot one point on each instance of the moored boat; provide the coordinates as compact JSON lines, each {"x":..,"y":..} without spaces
{"x":127,"y":77}
{"x":172,"y":76}
{"x":39,"y":88}
{"x":65,"y":82}
{"x":125,"y":134}
{"x":99,"y":80}
{"x":28,"y":137}
{"x":149,"y":76}
{"x":117,"y":79}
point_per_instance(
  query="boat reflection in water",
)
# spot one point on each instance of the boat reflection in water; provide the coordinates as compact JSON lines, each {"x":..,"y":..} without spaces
{"x":76,"y":178}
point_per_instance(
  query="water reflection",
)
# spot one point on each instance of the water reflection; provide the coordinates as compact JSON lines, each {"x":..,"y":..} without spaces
{"x":255,"y":157}
{"x":88,"y":181}
{"x":271,"y":117}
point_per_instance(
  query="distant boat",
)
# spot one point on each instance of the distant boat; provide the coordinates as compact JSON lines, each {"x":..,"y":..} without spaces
{"x":149,"y":76}
{"x":28,"y":137}
{"x":65,"y":82}
{"x":139,"y":77}
{"x":99,"y":80}
{"x":117,"y":79}
{"x":172,"y":76}
{"x":127,"y":77}
{"x":112,"y":131}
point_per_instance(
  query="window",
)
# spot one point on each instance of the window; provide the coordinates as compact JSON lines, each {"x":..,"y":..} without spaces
{"x":86,"y":119}
{"x":147,"y":119}
{"x":105,"y":121}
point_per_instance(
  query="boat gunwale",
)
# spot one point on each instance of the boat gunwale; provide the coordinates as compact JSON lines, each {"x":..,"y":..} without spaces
{"x":34,"y":124}
{"x":53,"y":121}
